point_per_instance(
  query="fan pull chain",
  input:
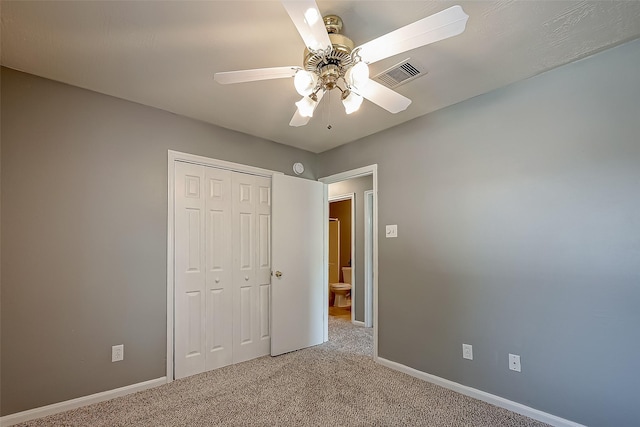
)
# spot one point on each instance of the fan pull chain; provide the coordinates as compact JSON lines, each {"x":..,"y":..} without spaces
{"x":326,"y":110}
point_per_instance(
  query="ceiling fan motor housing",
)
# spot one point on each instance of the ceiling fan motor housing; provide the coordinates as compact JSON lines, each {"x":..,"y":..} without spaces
{"x":331,"y":64}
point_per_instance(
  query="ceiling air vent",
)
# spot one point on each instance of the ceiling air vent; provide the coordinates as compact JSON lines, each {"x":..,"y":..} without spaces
{"x":400,"y":74}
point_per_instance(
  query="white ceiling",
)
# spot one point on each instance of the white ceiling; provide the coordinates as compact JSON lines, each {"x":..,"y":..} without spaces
{"x":164,"y":54}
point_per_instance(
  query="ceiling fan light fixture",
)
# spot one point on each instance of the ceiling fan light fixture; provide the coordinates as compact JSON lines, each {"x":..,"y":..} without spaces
{"x":332,"y":61}
{"x":351,"y":101}
{"x":305,"y":82}
{"x":358,"y":75}
{"x":306,"y":106}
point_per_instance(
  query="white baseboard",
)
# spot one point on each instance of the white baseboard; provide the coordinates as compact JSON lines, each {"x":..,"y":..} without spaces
{"x":358,"y":323}
{"x":31,"y":414}
{"x":9,"y":420}
{"x":481,"y":395}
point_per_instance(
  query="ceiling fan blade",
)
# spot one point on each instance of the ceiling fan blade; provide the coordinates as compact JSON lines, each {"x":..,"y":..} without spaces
{"x":298,"y":119}
{"x":384,"y":97}
{"x":242,"y":76}
{"x":448,"y":23}
{"x":308,"y":20}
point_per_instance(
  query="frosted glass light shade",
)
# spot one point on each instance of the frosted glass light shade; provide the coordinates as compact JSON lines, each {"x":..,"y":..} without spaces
{"x":306,"y":106}
{"x":358,"y":75}
{"x":305,"y":82}
{"x":352,"y":102}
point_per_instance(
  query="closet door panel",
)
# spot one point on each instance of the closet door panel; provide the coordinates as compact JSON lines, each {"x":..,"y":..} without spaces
{"x":218,"y":268}
{"x":244,"y":268}
{"x":190,"y":295}
{"x":222,"y":268}
{"x":263,"y":265}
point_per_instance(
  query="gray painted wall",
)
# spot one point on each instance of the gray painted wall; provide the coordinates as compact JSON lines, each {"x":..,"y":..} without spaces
{"x":518,"y":219}
{"x":518,"y":232}
{"x":84,"y":211}
{"x":357,"y":186}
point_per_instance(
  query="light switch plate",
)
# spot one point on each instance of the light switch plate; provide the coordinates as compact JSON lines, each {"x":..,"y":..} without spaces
{"x":392,"y":231}
{"x":117,"y":353}
{"x":467,"y":351}
{"x":514,"y":362}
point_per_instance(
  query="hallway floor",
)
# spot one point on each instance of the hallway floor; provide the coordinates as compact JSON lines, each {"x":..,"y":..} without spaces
{"x":340,"y":313}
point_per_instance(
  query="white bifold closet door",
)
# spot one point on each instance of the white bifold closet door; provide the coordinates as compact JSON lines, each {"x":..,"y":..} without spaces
{"x":222,"y":268}
{"x":251,"y":241}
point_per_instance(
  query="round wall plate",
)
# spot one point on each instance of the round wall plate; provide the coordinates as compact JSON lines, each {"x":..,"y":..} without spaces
{"x":298,"y":168}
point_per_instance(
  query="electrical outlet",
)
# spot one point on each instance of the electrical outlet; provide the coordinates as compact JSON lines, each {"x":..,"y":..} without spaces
{"x":391,"y":231}
{"x":117,"y":353}
{"x":467,"y":351}
{"x":514,"y":362}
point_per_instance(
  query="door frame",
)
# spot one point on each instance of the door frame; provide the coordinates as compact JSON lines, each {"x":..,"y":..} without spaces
{"x":172,"y":157}
{"x":343,"y":176}
{"x":368,"y":258}
{"x":340,"y":198}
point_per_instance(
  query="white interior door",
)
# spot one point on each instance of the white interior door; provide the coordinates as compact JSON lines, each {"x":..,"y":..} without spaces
{"x":244,"y":224}
{"x":252,"y":265}
{"x":297,"y":316}
{"x":219,"y":293}
{"x":203,"y":293}
{"x":222,"y":268}
{"x":263,"y":266}
{"x":190,"y":271}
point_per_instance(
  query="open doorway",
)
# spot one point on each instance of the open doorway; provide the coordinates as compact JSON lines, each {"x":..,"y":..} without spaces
{"x":360,"y":186}
{"x":341,"y":255}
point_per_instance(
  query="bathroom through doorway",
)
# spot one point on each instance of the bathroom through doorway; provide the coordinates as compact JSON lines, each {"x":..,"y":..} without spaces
{"x":341,"y":253}
{"x":362,"y":184}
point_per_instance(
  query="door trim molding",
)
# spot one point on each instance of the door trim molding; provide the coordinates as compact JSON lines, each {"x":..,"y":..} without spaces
{"x":172,"y":157}
{"x":352,"y":197}
{"x":368,"y":258}
{"x":356,"y":173}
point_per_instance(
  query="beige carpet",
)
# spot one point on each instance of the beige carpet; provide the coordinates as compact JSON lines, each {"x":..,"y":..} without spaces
{"x":333,"y":384}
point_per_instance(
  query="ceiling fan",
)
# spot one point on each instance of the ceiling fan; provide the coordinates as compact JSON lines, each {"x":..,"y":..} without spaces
{"x":331,"y":57}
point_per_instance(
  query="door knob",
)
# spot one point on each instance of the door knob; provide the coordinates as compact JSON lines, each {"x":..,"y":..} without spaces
{"x":246,"y":277}
{"x":278,"y":274}
{"x":217,"y":280}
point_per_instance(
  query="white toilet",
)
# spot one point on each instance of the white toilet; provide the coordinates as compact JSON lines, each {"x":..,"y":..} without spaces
{"x":342,"y":290}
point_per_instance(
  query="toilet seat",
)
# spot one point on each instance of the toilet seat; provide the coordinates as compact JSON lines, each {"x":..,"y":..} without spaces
{"x":342,"y":290}
{"x":342,"y":293}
